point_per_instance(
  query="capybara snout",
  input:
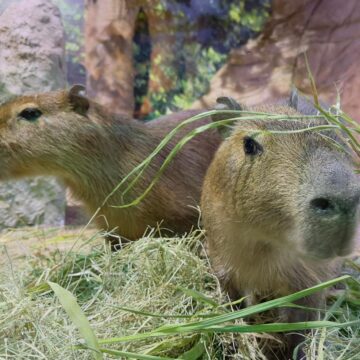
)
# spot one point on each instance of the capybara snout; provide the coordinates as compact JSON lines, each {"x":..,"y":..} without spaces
{"x":330,"y":210}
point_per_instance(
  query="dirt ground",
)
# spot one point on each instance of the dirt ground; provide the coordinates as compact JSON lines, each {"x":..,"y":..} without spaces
{"x":19,"y":244}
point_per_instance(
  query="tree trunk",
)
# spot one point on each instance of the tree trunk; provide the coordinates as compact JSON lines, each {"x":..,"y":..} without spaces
{"x":109,"y":31}
{"x":163,"y":55}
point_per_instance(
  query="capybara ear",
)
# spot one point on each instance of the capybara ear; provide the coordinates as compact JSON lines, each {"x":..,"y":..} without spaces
{"x":294,"y":98}
{"x":226,"y":103}
{"x":78,"y":100}
{"x":304,"y":105}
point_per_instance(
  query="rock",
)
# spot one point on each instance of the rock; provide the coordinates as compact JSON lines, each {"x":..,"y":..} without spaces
{"x":32,"y":59}
{"x":37,"y":201}
{"x":265,"y":68}
{"x":32,"y":53}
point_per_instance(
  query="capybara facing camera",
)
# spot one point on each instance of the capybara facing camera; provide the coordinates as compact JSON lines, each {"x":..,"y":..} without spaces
{"x":279,"y":209}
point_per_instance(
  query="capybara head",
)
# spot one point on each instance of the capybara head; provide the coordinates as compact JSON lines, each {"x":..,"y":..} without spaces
{"x":274,"y":183}
{"x":36,"y":131}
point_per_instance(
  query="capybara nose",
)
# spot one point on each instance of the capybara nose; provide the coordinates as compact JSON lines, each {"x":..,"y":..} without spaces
{"x":326,"y":206}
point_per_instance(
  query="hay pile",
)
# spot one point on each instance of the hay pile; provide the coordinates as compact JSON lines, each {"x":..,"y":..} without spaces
{"x":150,"y":283}
{"x":153,"y":275}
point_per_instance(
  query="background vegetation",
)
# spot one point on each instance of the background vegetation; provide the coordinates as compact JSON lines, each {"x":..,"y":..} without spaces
{"x":206,"y":31}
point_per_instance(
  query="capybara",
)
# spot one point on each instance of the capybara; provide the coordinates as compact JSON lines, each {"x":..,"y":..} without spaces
{"x":280,"y":210}
{"x":91,"y":150}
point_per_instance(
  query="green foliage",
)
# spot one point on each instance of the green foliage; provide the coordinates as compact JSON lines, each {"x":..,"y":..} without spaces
{"x":195,"y":62}
{"x":72,"y":13}
{"x":72,"y":16}
{"x":200,"y":48}
{"x":191,"y":84}
{"x":205,"y":63}
{"x":252,"y":19}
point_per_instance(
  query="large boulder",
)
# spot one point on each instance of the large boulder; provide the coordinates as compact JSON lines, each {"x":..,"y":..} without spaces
{"x":32,"y":59}
{"x":264,"y":69}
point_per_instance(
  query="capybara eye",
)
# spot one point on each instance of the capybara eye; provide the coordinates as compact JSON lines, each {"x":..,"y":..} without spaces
{"x":251,"y":147}
{"x":30,"y":114}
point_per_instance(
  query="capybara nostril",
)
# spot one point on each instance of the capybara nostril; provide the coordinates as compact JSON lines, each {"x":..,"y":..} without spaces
{"x":323,"y":206}
{"x":335,"y":205}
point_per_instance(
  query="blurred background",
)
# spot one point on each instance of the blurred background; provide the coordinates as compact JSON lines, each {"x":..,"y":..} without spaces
{"x":149,"y":57}
{"x":163,"y":53}
{"x":145,"y":58}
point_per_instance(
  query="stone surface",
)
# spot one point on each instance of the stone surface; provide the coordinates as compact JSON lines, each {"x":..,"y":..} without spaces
{"x":37,"y":201}
{"x":32,"y":56}
{"x":32,"y":59}
{"x":265,"y":69}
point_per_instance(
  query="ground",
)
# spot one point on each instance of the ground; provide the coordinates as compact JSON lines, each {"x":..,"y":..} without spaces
{"x":151,"y":283}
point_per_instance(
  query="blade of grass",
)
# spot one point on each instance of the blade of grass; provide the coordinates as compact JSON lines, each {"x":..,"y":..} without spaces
{"x":278,"y":327}
{"x":130,"y":355}
{"x":142,"y":166}
{"x":72,"y":308}
{"x":203,"y":325}
{"x":321,"y":344}
{"x":312,"y":81}
{"x":199,"y":297}
{"x":195,"y":353}
{"x":332,"y":118}
{"x":262,"y":328}
{"x":255,"y":309}
{"x":164,"y":316}
{"x":188,"y":137}
{"x":139,"y":169}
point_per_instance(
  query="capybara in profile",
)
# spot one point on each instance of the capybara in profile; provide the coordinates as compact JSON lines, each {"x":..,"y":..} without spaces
{"x":66,"y":135}
{"x":280,"y":209}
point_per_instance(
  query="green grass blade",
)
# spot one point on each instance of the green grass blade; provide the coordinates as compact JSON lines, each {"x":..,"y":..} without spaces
{"x":195,"y":353}
{"x":334,"y":119}
{"x":199,"y":297}
{"x":165,"y":316}
{"x":279,"y":327}
{"x":72,"y":308}
{"x":312,"y":81}
{"x":262,"y":328}
{"x":143,"y":165}
{"x":189,"y":136}
{"x":205,"y":325}
{"x":130,"y":355}
{"x":255,"y":309}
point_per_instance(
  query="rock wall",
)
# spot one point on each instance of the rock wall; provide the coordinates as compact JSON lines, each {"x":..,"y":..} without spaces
{"x":265,"y":69}
{"x":32,"y":59}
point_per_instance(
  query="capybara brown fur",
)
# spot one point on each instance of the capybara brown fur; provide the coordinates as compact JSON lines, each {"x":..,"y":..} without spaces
{"x":280,"y":210}
{"x":66,"y":135}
